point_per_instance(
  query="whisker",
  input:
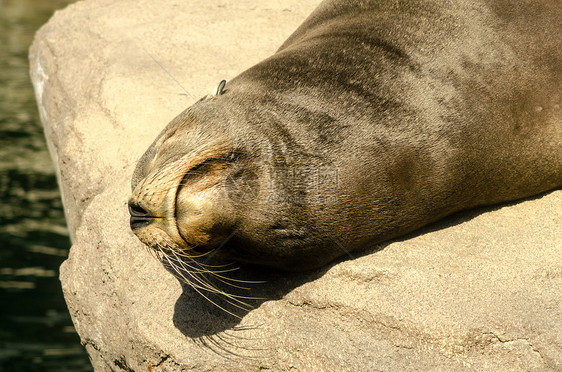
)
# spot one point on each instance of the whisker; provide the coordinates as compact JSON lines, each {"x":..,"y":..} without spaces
{"x":216,"y":290}
{"x":202,"y":269}
{"x":167,"y":72}
{"x":179,"y":267}
{"x":196,"y":274}
{"x":203,"y":284}
{"x":235,"y":301}
{"x":197,"y":255}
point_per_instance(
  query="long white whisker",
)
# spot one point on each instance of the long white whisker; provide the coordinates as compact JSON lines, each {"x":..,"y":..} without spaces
{"x":179,"y":265}
{"x":235,"y":299}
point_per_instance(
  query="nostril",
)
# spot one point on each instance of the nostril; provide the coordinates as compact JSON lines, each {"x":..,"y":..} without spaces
{"x":139,"y":216}
{"x":136,"y":210}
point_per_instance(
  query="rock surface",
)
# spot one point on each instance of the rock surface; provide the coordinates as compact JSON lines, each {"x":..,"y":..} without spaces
{"x":478,"y":291}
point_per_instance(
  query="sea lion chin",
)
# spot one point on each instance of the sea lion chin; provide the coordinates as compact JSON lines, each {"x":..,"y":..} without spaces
{"x":373,"y":119}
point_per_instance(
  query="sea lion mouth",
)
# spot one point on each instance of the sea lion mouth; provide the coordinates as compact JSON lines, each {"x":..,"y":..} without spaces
{"x":139,"y":216}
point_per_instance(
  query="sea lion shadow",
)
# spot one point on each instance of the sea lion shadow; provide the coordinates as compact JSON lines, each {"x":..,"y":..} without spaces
{"x":205,"y":320}
{"x":202,"y":317}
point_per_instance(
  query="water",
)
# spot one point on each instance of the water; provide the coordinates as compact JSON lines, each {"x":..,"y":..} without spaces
{"x":36,"y":333}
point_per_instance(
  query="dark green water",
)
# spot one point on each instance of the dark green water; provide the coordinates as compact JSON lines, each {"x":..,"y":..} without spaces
{"x":36,"y":333}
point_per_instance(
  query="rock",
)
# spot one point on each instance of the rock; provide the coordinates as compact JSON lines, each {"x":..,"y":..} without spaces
{"x":478,"y":291}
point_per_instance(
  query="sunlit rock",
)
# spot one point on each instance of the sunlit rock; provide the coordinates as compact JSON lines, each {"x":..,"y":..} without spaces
{"x":479,"y":291}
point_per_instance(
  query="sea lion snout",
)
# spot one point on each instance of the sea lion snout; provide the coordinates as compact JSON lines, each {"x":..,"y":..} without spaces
{"x":139,"y":216}
{"x":180,"y":204}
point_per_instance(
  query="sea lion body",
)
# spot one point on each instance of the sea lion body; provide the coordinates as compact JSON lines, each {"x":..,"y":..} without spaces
{"x":373,"y":119}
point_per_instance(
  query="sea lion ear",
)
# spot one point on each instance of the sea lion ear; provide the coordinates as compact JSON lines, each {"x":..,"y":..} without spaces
{"x":219,"y":90}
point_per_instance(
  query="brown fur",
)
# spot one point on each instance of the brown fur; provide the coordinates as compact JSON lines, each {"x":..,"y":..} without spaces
{"x":420,"y":108}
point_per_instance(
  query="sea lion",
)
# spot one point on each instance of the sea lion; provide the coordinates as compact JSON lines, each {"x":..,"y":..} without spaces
{"x":373,"y":119}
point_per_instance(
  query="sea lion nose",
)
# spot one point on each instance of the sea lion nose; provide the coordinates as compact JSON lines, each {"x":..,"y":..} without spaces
{"x":139,"y":216}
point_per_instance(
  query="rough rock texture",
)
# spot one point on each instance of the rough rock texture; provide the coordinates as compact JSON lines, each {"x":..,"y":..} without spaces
{"x":478,"y":291}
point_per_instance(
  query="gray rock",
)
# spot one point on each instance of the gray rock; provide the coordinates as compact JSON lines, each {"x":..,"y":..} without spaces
{"x":478,"y":291}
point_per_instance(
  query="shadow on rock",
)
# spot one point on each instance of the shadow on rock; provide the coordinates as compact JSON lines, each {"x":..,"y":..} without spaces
{"x":199,"y":314}
{"x":213,"y":319}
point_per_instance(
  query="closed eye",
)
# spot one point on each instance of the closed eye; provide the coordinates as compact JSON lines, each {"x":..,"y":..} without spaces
{"x":208,"y":172}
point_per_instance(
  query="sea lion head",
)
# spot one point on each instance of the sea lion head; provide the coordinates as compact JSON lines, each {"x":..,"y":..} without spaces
{"x":178,"y":203}
{"x":205,"y":185}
